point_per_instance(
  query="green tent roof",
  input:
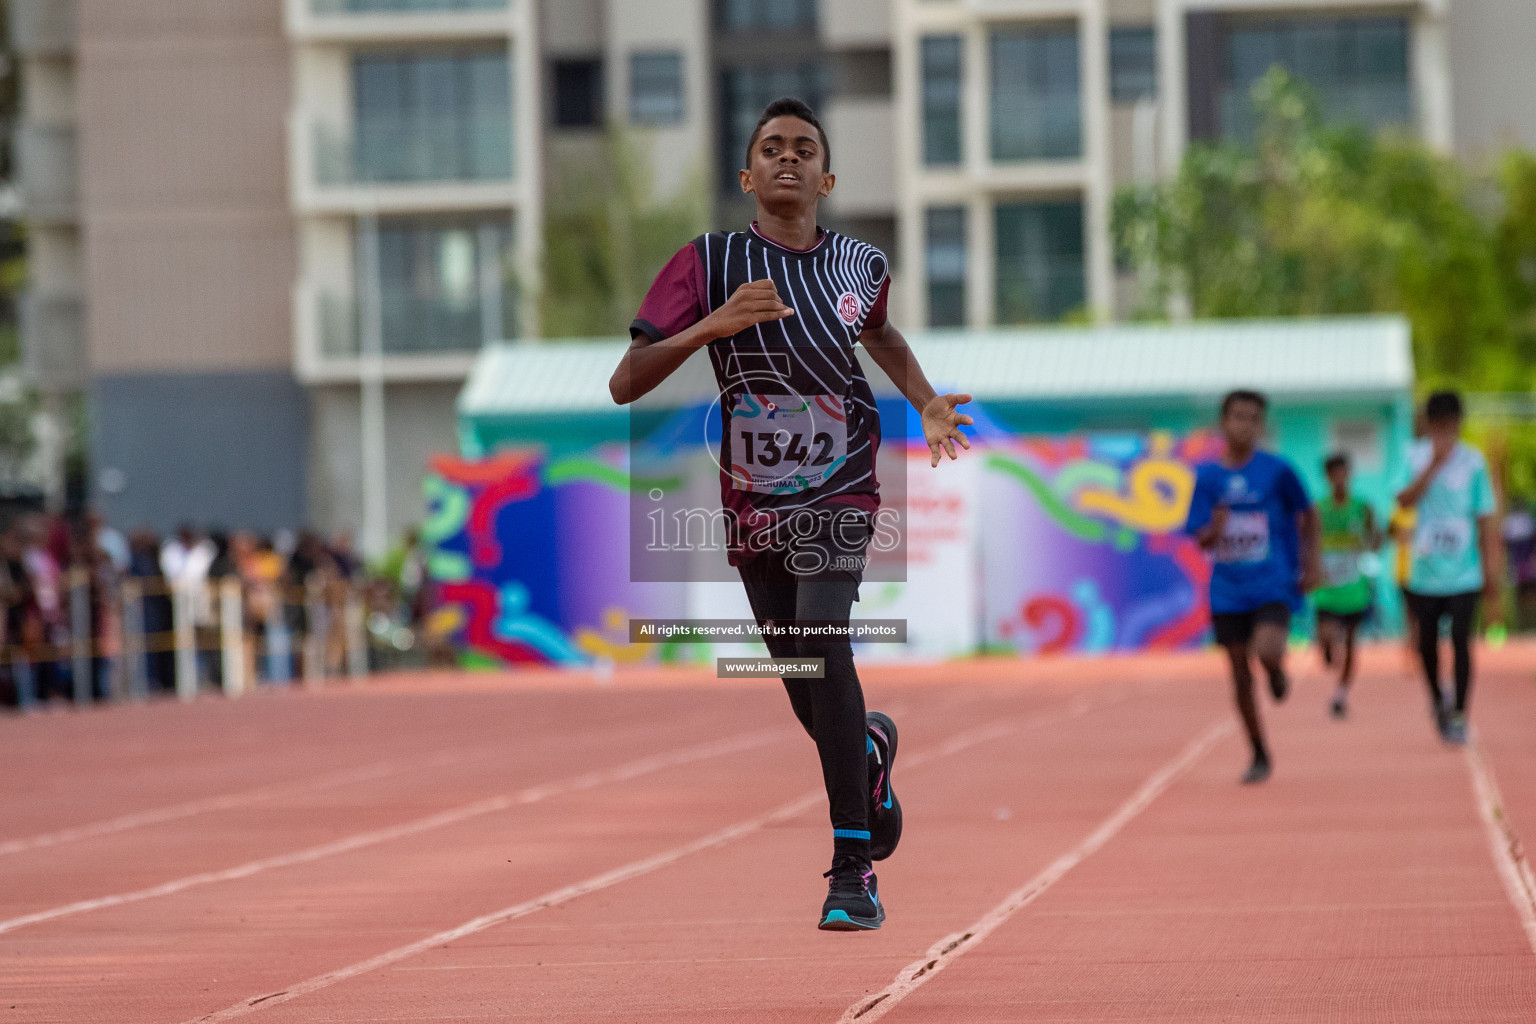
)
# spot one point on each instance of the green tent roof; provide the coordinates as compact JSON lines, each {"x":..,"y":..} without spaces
{"x":1297,"y":358}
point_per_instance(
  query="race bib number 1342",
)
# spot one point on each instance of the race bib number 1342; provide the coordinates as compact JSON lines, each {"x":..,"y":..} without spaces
{"x":784,"y":444}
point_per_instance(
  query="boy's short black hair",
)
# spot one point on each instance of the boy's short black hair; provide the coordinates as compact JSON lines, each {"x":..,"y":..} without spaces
{"x":788,"y":106}
{"x":1243,"y":395}
{"x":1442,"y":406}
{"x":1338,"y":460}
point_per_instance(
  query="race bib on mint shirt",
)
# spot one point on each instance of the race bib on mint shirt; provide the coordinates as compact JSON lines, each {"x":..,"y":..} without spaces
{"x":1443,"y":537}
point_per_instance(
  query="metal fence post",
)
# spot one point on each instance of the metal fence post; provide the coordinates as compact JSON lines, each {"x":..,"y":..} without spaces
{"x":81,"y":665}
{"x":26,"y":682}
{"x":279,"y":643}
{"x":314,"y":640}
{"x":232,"y":636}
{"x":184,"y":629}
{"x":133,"y":653}
{"x":356,"y":637}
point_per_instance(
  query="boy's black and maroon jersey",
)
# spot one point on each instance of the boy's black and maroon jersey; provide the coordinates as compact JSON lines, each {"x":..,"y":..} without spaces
{"x":799,"y":427}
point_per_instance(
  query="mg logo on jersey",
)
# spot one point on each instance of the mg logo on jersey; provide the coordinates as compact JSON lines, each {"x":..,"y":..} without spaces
{"x":848,"y":308}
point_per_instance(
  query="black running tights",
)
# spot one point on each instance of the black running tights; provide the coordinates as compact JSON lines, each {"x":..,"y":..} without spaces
{"x":1427,"y":611}
{"x":832,"y":708}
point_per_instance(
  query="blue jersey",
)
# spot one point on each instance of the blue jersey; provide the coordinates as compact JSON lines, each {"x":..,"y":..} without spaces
{"x":1257,"y":557}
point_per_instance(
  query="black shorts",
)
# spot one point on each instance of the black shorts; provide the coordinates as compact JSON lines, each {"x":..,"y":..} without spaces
{"x":1349,"y":620}
{"x":1237,"y":627}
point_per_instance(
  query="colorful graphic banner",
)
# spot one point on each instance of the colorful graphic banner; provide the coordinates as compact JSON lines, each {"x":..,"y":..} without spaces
{"x":1041,"y":545}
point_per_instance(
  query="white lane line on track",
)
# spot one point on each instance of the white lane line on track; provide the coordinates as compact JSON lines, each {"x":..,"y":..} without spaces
{"x":532,"y":794}
{"x":205,"y":805}
{"x":1503,"y":841}
{"x":634,"y":869}
{"x":944,"y":952}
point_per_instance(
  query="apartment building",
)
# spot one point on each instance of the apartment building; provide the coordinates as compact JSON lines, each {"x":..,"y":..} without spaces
{"x":267,"y":236}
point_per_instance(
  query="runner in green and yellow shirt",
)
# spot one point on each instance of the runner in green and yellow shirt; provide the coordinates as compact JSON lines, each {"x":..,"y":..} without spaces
{"x":1344,"y":600}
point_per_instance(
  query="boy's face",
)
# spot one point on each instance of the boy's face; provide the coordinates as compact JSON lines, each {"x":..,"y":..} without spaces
{"x":1243,"y":424}
{"x":785,"y":169}
{"x":1338,"y":477}
{"x":1444,"y":433}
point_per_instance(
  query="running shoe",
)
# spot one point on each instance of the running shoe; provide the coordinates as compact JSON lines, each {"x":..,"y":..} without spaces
{"x":1456,"y":730}
{"x":1279,"y":685}
{"x":1340,"y":707}
{"x":853,"y":901}
{"x":1257,"y":772}
{"x":884,"y":808}
{"x":1440,"y":713}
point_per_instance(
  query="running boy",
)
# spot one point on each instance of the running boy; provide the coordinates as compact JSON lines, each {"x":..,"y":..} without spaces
{"x":1456,"y":553}
{"x":1344,"y":600}
{"x":779,"y":308}
{"x":1251,"y":513}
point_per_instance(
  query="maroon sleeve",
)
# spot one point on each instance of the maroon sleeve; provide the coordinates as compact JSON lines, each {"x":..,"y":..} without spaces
{"x":876,"y":318}
{"x":676,"y":300}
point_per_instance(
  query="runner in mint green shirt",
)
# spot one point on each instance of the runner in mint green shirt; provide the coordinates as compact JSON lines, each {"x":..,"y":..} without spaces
{"x":1456,"y":551}
{"x":1343,"y":602}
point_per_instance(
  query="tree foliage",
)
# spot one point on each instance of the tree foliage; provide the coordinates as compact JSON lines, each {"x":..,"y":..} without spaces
{"x":1316,"y":218}
{"x":606,"y":236}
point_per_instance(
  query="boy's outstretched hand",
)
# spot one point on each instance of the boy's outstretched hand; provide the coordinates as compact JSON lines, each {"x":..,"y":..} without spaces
{"x":941,"y":426}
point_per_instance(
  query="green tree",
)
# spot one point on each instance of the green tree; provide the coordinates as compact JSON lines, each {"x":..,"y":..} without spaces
{"x":607,"y":235}
{"x":1316,"y":218}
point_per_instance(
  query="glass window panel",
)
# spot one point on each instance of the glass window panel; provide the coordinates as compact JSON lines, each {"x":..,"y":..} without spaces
{"x":656,"y":88}
{"x":1034,"y":94}
{"x":431,"y":117}
{"x":773,"y":15}
{"x":1132,"y":63}
{"x":443,"y":284}
{"x":941,"y":57}
{"x":945,"y":260}
{"x":1357,"y":66}
{"x":1039,"y":261}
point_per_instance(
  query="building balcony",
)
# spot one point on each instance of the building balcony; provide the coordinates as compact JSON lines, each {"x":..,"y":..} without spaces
{"x":47,"y":171}
{"x":42,"y":28}
{"x":453,"y":165}
{"x":345,"y":21}
{"x":53,"y":341}
{"x":420,"y":337}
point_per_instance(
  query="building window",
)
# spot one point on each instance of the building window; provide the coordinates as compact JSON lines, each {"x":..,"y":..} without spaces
{"x":1034,"y":78}
{"x":1039,"y":261}
{"x":655,"y":88}
{"x":578,"y":93}
{"x":431,"y":116}
{"x":1357,"y":66}
{"x":1132,"y":64}
{"x":941,"y":56}
{"x":945,"y":261}
{"x":745,"y":92}
{"x":442,"y":284}
{"x":772,"y":15}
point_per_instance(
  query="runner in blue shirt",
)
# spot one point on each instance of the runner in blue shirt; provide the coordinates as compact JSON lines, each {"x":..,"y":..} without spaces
{"x":1251,"y":514}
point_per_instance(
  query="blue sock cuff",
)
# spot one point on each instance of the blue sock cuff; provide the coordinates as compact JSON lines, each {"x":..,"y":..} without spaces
{"x":850,"y":833}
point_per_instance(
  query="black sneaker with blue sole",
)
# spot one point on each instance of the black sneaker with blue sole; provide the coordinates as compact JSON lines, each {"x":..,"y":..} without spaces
{"x":853,"y":898}
{"x":884,"y":808}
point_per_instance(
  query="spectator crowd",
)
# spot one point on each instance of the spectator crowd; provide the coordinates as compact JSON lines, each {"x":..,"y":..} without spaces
{"x":92,"y":614}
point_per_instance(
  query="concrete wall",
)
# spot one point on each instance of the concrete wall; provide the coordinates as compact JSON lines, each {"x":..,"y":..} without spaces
{"x":680,"y":154}
{"x":214,"y":448}
{"x":1490,"y":43}
{"x":189,"y":243}
{"x":189,"y":260}
{"x":420,"y":421}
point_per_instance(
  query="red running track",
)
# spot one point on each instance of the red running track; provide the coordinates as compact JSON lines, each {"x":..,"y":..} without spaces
{"x":543,"y":848}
